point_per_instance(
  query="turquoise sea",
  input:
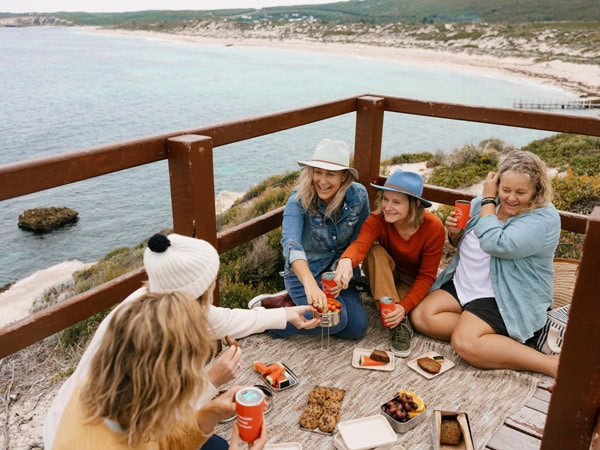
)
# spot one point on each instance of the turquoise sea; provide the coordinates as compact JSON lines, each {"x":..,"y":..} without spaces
{"x":65,"y":89}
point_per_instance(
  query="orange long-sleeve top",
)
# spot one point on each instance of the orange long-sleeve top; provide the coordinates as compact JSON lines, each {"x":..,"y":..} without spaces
{"x":419,"y":256}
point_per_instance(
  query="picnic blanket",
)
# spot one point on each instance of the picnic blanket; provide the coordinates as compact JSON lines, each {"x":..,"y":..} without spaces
{"x":487,"y":396}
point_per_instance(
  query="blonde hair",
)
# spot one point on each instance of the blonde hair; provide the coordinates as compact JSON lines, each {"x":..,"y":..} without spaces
{"x":528,"y":163}
{"x":150,"y":365}
{"x":416,"y":210}
{"x":308,"y":198}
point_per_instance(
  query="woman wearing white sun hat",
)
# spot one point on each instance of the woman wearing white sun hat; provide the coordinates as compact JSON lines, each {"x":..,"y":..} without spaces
{"x":321,"y":218}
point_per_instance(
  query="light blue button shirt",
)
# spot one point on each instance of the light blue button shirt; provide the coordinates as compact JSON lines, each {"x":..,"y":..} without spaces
{"x":321,"y":241}
{"x":522,"y":253}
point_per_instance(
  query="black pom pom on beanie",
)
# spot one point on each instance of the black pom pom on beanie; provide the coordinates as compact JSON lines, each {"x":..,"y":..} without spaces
{"x":159,"y":243}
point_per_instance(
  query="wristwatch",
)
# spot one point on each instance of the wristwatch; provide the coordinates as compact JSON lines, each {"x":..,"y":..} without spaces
{"x":488,"y":201}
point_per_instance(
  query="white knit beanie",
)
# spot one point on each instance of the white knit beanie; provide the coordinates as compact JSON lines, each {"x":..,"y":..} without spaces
{"x":180,"y":263}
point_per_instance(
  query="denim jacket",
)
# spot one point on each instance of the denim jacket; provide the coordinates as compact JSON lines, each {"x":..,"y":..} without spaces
{"x":321,"y":241}
{"x":522,"y":253}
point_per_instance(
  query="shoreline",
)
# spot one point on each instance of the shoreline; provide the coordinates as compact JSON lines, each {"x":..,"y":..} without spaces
{"x":580,"y":80}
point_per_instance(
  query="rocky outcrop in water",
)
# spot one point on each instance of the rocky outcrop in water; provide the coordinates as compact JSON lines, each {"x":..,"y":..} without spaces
{"x":44,"y":220}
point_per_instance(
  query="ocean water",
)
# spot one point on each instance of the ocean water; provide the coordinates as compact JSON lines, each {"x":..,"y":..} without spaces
{"x":70,"y":89}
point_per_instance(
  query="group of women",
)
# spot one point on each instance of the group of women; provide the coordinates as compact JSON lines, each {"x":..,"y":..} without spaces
{"x":144,"y":380}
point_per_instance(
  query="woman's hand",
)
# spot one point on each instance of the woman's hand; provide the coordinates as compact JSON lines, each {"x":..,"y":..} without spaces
{"x":258,"y":444}
{"x":315,"y":296}
{"x":490,"y":185}
{"x":394,"y":318}
{"x":295,"y":316}
{"x":453,"y":231}
{"x":226,"y":366}
{"x":219,"y":408}
{"x":343,"y":275}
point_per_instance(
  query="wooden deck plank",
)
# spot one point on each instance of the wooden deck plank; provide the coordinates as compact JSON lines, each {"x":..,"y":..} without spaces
{"x":510,"y":439}
{"x":528,"y":421}
{"x":539,"y":401}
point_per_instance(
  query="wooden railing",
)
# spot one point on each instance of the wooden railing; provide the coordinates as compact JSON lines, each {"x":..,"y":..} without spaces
{"x":576,"y":399}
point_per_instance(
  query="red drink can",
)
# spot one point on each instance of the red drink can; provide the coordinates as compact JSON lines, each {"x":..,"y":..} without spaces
{"x":462,"y":209}
{"x":386,"y":306}
{"x":327,"y":283}
{"x":249,"y":406}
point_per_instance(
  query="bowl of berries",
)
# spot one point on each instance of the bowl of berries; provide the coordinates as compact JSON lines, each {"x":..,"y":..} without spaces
{"x":404,"y":411}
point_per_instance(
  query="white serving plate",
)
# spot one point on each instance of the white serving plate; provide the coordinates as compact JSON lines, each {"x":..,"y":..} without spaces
{"x":446,"y":365}
{"x":358,"y":352}
{"x":366,"y":433}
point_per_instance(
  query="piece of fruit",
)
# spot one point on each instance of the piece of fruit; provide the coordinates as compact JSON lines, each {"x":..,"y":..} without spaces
{"x":259,"y":367}
{"x":366,"y":361}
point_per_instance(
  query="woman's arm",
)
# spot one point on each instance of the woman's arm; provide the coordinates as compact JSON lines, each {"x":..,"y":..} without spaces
{"x":356,"y":251}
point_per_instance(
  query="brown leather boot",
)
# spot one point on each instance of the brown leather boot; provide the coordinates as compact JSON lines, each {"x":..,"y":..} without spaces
{"x":268,"y":301}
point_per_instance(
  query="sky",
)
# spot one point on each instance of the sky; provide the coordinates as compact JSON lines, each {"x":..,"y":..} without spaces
{"x":21,"y":6}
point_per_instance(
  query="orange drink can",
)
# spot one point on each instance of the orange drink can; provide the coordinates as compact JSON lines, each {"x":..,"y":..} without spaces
{"x":249,"y":406}
{"x":462,"y":209}
{"x":386,"y":306}
{"x":327,"y":283}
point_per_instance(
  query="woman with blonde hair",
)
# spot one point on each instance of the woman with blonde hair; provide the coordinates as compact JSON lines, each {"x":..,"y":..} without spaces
{"x":400,"y":246}
{"x":321,"y":218}
{"x":177,"y":263}
{"x":492,"y":299}
{"x":143,"y":378}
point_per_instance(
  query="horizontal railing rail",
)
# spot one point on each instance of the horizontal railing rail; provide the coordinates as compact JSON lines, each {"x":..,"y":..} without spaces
{"x":189,"y":153}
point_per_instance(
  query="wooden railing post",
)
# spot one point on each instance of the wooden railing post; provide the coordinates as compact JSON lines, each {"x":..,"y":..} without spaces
{"x":193,"y":189}
{"x":192,"y":186}
{"x":575,"y":401}
{"x":367,"y":141}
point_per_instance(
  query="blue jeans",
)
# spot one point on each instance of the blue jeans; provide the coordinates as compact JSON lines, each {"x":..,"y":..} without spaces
{"x":215,"y":443}
{"x":353,"y":319}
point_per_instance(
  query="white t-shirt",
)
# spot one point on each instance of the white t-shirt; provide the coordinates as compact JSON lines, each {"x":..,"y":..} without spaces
{"x":472,"y":277}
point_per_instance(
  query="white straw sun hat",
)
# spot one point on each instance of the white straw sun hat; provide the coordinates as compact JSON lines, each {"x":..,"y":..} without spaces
{"x":331,"y":155}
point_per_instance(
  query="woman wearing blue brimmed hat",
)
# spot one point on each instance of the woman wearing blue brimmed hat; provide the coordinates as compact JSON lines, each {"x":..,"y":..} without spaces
{"x":322,"y":217}
{"x":400,"y":246}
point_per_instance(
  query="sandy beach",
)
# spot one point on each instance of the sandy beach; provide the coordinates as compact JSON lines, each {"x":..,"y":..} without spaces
{"x":580,"y":79}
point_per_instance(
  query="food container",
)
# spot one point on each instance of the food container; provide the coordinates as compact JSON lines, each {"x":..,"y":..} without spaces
{"x":318,"y":391}
{"x":466,"y":441}
{"x":403,"y":427}
{"x":288,"y":373}
{"x":372,"y":432}
{"x":330,"y":319}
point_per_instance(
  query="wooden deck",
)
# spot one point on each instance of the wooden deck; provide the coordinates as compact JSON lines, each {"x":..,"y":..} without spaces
{"x":523,"y":430}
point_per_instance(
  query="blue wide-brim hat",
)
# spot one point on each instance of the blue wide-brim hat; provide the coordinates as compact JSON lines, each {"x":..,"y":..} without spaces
{"x":408,"y":183}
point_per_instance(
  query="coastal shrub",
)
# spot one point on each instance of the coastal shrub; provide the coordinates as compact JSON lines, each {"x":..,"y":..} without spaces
{"x":407,"y":158}
{"x":457,"y":176}
{"x":577,"y":194}
{"x":580,"y":153}
{"x":116,"y":263}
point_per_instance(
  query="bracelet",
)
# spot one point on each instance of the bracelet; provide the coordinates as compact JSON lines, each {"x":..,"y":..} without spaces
{"x":489,"y":198}
{"x":488,"y":201}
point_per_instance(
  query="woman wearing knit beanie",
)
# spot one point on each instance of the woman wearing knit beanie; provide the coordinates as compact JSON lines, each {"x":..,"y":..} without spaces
{"x":148,"y":369}
{"x":177,"y":263}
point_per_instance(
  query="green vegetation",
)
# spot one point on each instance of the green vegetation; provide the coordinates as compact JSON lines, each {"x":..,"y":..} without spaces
{"x":372,"y":11}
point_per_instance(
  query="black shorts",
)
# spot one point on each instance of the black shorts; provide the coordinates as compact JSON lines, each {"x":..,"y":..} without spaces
{"x":487,"y":310}
{"x":484,"y":308}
